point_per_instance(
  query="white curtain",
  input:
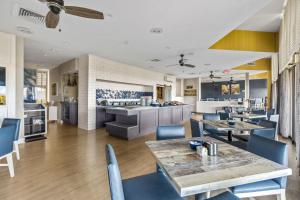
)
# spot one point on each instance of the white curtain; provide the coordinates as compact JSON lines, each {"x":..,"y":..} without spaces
{"x":297,"y":111}
{"x":289,"y":37}
{"x":285,"y":112}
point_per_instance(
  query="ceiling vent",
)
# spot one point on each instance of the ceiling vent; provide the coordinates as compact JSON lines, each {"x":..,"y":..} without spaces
{"x":30,"y":15}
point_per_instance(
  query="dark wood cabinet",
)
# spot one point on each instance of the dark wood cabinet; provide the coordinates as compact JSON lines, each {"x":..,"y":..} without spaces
{"x":102,"y":117}
{"x":70,"y":113}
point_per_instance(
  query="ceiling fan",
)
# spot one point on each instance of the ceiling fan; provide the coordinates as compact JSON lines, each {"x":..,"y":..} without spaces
{"x":56,"y":6}
{"x":182,"y":62}
{"x":212,"y":76}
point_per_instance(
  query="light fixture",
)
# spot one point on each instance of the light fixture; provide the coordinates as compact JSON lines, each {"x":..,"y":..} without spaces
{"x":155,"y":60}
{"x":156,"y":30}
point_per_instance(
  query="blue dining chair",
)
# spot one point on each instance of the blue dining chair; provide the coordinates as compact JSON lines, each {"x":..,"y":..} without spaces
{"x":153,"y":186}
{"x":170,"y":132}
{"x":196,"y":128}
{"x":16,"y":124}
{"x":272,"y":150}
{"x":7,"y":136}
{"x":269,"y":133}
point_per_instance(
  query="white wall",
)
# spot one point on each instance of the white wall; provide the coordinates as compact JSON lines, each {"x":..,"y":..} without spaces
{"x":12,"y":58}
{"x":122,"y":86}
{"x":93,"y":69}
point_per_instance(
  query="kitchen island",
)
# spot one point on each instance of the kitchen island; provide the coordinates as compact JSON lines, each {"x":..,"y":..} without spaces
{"x":130,"y":122}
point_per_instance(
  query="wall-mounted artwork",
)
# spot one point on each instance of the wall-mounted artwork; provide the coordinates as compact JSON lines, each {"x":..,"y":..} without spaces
{"x":225,"y":89}
{"x":235,"y":89}
{"x":54,"y":89}
{"x":190,"y":92}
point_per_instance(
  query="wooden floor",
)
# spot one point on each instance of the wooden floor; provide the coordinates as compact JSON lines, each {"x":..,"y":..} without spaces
{"x":71,"y":164}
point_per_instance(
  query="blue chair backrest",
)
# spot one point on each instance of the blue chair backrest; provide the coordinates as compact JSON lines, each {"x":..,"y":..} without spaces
{"x":259,"y":112}
{"x":267,"y":123}
{"x":269,"y":133}
{"x":210,"y":116}
{"x":272,"y":150}
{"x":196,"y":127}
{"x":170,"y":132}
{"x":12,"y":122}
{"x":114,"y":176}
{"x":224,"y":116}
{"x":7,"y":136}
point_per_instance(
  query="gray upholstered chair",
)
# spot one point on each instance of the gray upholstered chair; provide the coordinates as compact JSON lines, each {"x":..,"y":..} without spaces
{"x":170,"y":132}
{"x":7,"y":136}
{"x":16,"y":124}
{"x":196,"y":128}
{"x":153,"y":186}
{"x":272,"y":150}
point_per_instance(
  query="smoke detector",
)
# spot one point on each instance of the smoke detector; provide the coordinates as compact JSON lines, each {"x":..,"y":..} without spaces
{"x":23,"y":29}
{"x":156,"y":30}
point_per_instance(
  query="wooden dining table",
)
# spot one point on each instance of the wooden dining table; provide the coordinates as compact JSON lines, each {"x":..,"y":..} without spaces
{"x":191,"y":174}
{"x":222,"y":125}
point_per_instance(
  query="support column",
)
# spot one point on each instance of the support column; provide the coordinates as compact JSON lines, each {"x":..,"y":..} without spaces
{"x":247,"y":86}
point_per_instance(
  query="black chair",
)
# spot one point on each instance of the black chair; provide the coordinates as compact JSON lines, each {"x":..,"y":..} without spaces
{"x":170,"y":132}
{"x":153,"y":186}
{"x":196,"y":128}
{"x":272,"y":150}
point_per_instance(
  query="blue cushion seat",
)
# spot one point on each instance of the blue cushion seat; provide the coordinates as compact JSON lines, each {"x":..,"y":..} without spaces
{"x":224,"y":196}
{"x":12,"y":122}
{"x":170,"y":132}
{"x":149,"y":187}
{"x":256,"y":187}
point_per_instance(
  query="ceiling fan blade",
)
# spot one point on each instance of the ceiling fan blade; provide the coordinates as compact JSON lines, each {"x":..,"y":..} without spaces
{"x":51,"y":20}
{"x":43,"y":1}
{"x":189,"y":65}
{"x":217,"y":77}
{"x":83,"y":12}
{"x":174,"y":65}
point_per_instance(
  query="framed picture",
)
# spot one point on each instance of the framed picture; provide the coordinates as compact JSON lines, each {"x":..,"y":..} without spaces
{"x":225,"y":89}
{"x":54,"y":89}
{"x":189,"y":87}
{"x":235,"y":89}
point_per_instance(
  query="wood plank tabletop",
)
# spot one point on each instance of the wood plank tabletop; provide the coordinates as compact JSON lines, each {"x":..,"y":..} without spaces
{"x":222,"y":125}
{"x":191,"y":174}
{"x":247,"y":115}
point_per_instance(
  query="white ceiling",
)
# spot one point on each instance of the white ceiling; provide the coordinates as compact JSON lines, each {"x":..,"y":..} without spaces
{"x":189,"y":26}
{"x":267,"y":19}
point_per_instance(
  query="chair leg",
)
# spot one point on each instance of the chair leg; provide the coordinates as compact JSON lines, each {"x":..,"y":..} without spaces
{"x":208,"y":194}
{"x":281,"y":196}
{"x":17,"y":150}
{"x":10,"y":163}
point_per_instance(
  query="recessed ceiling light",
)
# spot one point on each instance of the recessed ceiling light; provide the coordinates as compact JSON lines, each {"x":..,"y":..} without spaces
{"x":126,"y":42}
{"x":207,"y":64}
{"x":167,"y":47}
{"x":155,"y":60}
{"x":190,"y":54}
{"x":156,"y":30}
{"x":108,"y":15}
{"x":24,"y":30}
